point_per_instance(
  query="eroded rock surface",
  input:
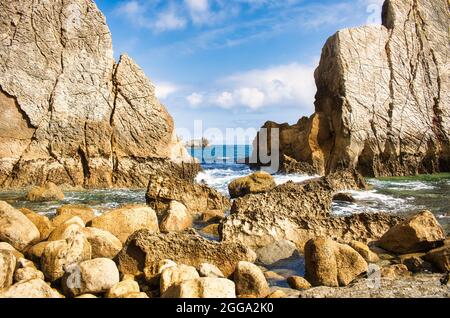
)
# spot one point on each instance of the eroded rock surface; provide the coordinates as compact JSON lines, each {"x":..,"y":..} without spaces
{"x":69,"y":113}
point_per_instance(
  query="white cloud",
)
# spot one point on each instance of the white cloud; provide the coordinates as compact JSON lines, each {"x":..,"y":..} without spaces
{"x":290,"y":85}
{"x":165,"y":89}
{"x":169,"y":20}
{"x":198,"y":5}
{"x":195,"y":99}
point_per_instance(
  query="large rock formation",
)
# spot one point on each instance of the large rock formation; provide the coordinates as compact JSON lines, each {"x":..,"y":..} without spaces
{"x":382,"y":104}
{"x":69,"y":113}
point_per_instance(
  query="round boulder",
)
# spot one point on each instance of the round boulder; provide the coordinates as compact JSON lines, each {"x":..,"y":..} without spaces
{"x":257,"y":182}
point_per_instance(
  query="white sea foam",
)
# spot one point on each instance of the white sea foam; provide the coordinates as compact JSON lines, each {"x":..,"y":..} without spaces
{"x":402,"y":185}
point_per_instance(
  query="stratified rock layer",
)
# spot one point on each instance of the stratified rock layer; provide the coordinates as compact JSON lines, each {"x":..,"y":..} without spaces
{"x":68,"y":113}
{"x":382,"y":104}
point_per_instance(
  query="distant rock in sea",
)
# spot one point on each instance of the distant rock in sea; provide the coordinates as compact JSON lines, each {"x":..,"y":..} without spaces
{"x":382,"y":104}
{"x":69,"y":113}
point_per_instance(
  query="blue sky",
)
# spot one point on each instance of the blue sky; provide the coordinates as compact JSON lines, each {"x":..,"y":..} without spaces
{"x":232,"y":63}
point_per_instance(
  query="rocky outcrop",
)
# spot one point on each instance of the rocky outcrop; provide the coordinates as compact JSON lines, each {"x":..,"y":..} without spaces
{"x":144,"y":251}
{"x":69,"y":113}
{"x":257,"y":182}
{"x":382,"y":100}
{"x":299,"y":212}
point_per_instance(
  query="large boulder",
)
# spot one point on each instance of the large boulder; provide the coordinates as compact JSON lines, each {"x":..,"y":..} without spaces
{"x":382,"y":97}
{"x":90,"y":277}
{"x":8,"y":247}
{"x":275,"y":252}
{"x":145,"y":249}
{"x":67,"y":229}
{"x":440,"y":258}
{"x":7,"y":267}
{"x":257,"y":182}
{"x":419,"y":233}
{"x":103,"y":243}
{"x":66,"y":212}
{"x":176,"y":218}
{"x":364,"y":251}
{"x":175,"y":275}
{"x":205,"y":287}
{"x":70,"y":113}
{"x":250,"y":281}
{"x":42,"y":223}
{"x":35,"y":288}
{"x":16,"y":229}
{"x":58,"y":255}
{"x":125,"y":221}
{"x":329,"y":263}
{"x":47,"y":192}
{"x":197,"y":198}
{"x":123,"y":289}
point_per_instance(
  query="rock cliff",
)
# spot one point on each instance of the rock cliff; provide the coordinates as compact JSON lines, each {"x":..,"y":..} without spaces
{"x":68,"y":112}
{"x":382,"y":104}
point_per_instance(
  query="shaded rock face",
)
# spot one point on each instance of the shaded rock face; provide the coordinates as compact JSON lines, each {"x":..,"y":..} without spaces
{"x":299,"y":212}
{"x":383,"y":96}
{"x":69,"y":113}
{"x":144,"y":250}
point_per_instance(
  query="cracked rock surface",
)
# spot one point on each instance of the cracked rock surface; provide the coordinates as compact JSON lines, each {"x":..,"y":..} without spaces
{"x":69,"y":113}
{"x":382,"y":104}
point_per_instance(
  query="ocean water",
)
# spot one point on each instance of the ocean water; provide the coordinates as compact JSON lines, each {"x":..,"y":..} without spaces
{"x":403,"y":196}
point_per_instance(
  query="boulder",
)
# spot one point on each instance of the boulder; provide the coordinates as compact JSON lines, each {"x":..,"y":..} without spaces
{"x":67,"y":229}
{"x":382,"y":97}
{"x":176,"y":218}
{"x":35,"y":252}
{"x":27,"y":273}
{"x":135,"y":295}
{"x":42,"y":223}
{"x":68,"y":211}
{"x":395,"y":271}
{"x":145,"y":249}
{"x":103,"y":243}
{"x":122,"y":289}
{"x":205,"y":287}
{"x":175,"y":275}
{"x":328,"y":263}
{"x":197,"y":198}
{"x":275,"y":252}
{"x":90,"y":277}
{"x":211,"y":229}
{"x":213,"y":216}
{"x":35,"y":288}
{"x":257,"y":182}
{"x":250,"y":281}
{"x":298,"y":283}
{"x":7,"y":267}
{"x":125,"y":221}
{"x":440,"y":258}
{"x":277,"y":294}
{"x":364,"y":251}
{"x":8,"y":247}
{"x":97,"y":126}
{"x":57,"y":255}
{"x":415,"y":263}
{"x":209,"y":270}
{"x":419,"y":233}
{"x":16,"y":229}
{"x":343,"y":197}
{"x":47,"y":192}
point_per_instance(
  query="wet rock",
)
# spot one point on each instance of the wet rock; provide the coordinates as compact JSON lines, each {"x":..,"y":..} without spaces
{"x":145,"y":249}
{"x":364,"y":251}
{"x":122,"y":289}
{"x":103,"y":243}
{"x":42,"y":223}
{"x":16,"y":229}
{"x":125,"y":221}
{"x":57,"y":255}
{"x":298,"y":283}
{"x":205,"y":287}
{"x":250,"y":280}
{"x":68,"y":211}
{"x":90,"y":277}
{"x":7,"y":267}
{"x":175,"y":275}
{"x":257,"y":182}
{"x":440,"y":258}
{"x":47,"y":192}
{"x":209,"y":270}
{"x":329,"y":263}
{"x":35,"y":288}
{"x":275,"y":252}
{"x":417,"y":286}
{"x":418,"y":233}
{"x":176,"y":218}
{"x":198,"y":198}
{"x":344,"y":197}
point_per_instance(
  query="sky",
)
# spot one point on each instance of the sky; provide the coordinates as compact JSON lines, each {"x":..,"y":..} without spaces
{"x":219,"y":65}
